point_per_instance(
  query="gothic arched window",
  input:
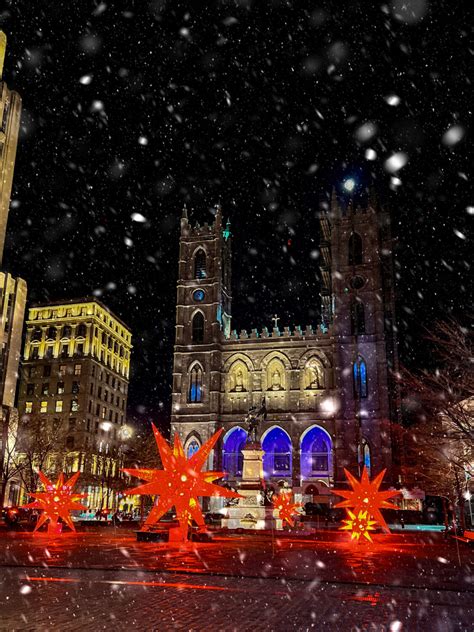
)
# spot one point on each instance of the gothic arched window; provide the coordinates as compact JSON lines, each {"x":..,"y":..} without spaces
{"x":316,"y":453}
{"x":357,"y":318}
{"x":198,"y":327}
{"x":277,"y":448}
{"x":200,"y":265}
{"x":355,"y":250}
{"x":195,"y":385}
{"x":360,"y":378}
{"x":364,"y":456}
{"x":232,"y":457}
{"x":193,"y":447}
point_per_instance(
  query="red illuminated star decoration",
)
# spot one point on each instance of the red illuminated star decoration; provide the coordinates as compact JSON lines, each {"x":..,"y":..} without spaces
{"x":282,"y":502}
{"x":57,"y":501}
{"x":180,"y":482}
{"x":359,"y":525}
{"x":366,"y":497}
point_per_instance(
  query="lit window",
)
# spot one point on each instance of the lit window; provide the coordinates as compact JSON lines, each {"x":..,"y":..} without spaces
{"x":62,"y":369}
{"x":193,"y":447}
{"x":195,"y":385}
{"x":59,"y":406}
{"x":104,"y":411}
{"x":77,"y":369}
{"x":364,"y":456}
{"x":60,"y":388}
{"x":74,"y":405}
{"x":45,"y":389}
{"x":360,"y":378}
{"x":28,"y":407}
{"x":44,"y":407}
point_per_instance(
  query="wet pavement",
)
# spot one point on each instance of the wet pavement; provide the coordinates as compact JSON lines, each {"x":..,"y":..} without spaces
{"x":105,"y":578}
{"x":412,"y":560}
{"x":122,"y":600}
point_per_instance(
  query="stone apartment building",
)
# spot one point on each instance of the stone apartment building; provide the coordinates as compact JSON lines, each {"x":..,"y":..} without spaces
{"x":74,"y":386}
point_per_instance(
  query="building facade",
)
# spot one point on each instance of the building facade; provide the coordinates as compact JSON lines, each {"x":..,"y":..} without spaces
{"x":328,"y":389}
{"x":10,"y":112}
{"x":74,"y":388}
{"x":12,"y":290}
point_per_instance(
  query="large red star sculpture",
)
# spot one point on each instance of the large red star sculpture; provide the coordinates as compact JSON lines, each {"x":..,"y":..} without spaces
{"x":282,"y":502}
{"x":180,"y":482}
{"x":56,"y":501}
{"x":366,"y":497}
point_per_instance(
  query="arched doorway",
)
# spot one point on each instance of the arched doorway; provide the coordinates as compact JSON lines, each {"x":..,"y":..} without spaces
{"x":277,"y":458}
{"x":316,"y":453}
{"x":232,"y":458}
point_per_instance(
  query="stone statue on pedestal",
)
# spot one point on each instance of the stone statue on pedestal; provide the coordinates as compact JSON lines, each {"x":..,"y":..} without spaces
{"x":253,"y":418}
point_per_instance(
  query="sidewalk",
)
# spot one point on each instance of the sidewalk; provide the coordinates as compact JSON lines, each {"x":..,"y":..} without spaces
{"x":410,"y":560}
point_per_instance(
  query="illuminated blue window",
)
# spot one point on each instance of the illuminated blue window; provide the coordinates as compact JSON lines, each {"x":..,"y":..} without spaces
{"x":360,"y":378}
{"x":316,"y":453}
{"x":195,"y":385}
{"x":277,"y":453}
{"x":232,"y":457}
{"x":364,"y":457}
{"x":193,"y":447}
{"x":198,"y":295}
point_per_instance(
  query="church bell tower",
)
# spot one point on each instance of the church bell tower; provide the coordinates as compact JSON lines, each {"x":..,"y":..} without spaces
{"x":359,"y":299}
{"x":203,"y":320}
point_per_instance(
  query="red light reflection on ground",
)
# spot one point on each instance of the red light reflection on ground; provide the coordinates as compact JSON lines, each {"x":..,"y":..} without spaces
{"x":373,"y":599}
{"x":179,"y":585}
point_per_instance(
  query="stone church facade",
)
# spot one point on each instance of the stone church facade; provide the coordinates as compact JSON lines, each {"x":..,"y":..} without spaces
{"x":328,"y":388}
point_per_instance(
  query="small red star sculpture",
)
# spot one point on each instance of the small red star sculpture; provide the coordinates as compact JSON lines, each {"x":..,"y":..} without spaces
{"x":366,"y":497}
{"x":287,"y":509}
{"x":359,"y":525}
{"x":180,"y":482}
{"x":56,"y":501}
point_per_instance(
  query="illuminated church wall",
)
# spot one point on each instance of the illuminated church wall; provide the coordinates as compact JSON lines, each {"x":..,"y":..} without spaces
{"x":327,"y":388}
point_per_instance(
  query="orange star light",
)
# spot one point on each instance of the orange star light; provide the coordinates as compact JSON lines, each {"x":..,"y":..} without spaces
{"x":287,"y":509}
{"x":360,"y":525}
{"x":180,"y":482}
{"x":365,"y":496}
{"x":56,"y":501}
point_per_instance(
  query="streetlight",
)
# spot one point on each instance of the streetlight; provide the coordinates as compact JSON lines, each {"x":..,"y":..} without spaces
{"x":349,"y":185}
{"x":468,"y":496}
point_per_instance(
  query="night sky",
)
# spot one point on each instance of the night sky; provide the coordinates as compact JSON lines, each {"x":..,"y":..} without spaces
{"x":131,"y":109}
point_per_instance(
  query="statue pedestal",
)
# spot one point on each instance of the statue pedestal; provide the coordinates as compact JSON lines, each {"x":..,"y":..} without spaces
{"x":249,"y":513}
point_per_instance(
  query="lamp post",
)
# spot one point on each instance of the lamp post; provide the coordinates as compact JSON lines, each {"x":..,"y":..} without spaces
{"x":468,"y":496}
